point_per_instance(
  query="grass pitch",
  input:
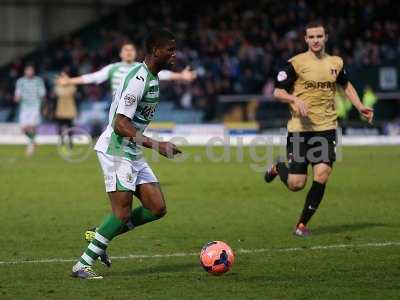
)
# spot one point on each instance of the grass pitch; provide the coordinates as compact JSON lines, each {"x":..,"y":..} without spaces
{"x":354,"y":253}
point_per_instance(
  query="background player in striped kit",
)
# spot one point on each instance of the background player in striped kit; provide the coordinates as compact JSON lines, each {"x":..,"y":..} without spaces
{"x":29,"y":93}
{"x":116,"y":71}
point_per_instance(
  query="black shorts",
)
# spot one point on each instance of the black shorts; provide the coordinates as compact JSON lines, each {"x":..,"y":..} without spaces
{"x":310,"y":147}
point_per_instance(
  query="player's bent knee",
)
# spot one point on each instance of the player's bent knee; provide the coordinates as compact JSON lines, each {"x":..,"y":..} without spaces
{"x":296,"y":182}
{"x":296,"y":185}
{"x":159,"y":210}
{"x":123,"y":214}
{"x":159,"y":207}
{"x":323,"y":176}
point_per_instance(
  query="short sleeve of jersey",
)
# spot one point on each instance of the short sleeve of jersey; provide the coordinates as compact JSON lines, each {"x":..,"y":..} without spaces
{"x":286,"y":77}
{"x":165,"y":75}
{"x":130,"y":96}
{"x":342,"y":78}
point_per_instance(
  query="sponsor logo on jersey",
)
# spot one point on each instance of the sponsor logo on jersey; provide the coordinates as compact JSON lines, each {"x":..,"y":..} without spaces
{"x":148,"y":112}
{"x":310,"y":84}
{"x":129,"y":99}
{"x":153,"y":89}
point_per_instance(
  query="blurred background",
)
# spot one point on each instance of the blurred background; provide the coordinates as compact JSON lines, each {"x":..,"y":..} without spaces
{"x":236,"y":48}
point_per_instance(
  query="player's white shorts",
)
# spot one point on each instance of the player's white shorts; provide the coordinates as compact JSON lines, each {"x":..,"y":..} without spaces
{"x":29,"y":117}
{"x":122,"y":174}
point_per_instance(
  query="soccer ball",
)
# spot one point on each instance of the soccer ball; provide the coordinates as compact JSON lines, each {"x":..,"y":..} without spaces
{"x":216,"y":257}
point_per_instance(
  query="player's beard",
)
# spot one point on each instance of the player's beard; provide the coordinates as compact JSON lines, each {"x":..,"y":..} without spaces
{"x":168,"y":65}
{"x":171,"y":65}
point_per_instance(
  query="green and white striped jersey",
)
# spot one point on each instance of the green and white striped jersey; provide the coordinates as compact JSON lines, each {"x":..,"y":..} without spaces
{"x":31,"y":90}
{"x":137,"y":98}
{"x":112,"y":72}
{"x":115,"y":73}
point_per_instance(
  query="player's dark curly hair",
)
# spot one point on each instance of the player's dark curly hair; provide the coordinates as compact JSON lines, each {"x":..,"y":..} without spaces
{"x":157,"y":38}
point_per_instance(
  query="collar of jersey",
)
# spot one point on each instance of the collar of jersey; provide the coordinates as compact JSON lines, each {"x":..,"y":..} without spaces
{"x":128,"y":64}
{"x":313,"y":56}
{"x":144,"y":64}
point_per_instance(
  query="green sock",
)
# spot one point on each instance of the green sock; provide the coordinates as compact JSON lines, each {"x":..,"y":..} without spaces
{"x":139,"y":216}
{"x":109,"y":229}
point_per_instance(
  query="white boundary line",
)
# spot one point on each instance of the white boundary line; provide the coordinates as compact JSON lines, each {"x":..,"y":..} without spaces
{"x":239,"y":251}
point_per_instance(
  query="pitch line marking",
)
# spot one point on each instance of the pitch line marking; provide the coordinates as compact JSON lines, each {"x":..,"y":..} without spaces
{"x":182,"y":254}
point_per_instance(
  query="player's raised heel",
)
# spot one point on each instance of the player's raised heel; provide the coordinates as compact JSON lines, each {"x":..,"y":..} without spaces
{"x":85,"y":272}
{"x":105,"y":259}
{"x":301,"y":230}
{"x":271,"y":173}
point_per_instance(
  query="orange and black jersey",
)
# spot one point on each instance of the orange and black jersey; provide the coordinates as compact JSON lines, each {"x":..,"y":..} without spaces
{"x":313,"y":80}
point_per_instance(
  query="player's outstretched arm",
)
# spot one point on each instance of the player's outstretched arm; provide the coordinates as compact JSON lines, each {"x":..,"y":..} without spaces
{"x":123,"y":127}
{"x":352,"y":95}
{"x":42,"y":90}
{"x":297,"y":104}
{"x":17,"y":93}
{"x":96,"y":77}
{"x":17,"y":97}
{"x":185,"y":75}
{"x":64,"y":79}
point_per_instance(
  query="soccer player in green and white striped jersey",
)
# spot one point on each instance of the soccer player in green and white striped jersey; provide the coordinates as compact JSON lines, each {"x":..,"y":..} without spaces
{"x":29,"y":93}
{"x":115,"y":72}
{"x":126,"y":173}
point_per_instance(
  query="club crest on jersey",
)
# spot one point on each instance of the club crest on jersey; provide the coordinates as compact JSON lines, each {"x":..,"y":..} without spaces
{"x":282,"y":76}
{"x":129,"y":99}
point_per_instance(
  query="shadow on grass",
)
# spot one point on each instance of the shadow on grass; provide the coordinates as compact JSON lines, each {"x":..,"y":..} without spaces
{"x":175,"y":268}
{"x":348,"y":227}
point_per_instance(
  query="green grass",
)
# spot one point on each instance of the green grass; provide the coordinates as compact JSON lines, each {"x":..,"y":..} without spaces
{"x":46,"y":204}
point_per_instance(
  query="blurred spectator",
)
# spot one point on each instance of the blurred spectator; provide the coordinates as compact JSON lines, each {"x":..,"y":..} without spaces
{"x":66,"y":109}
{"x":343,"y":105}
{"x":369,"y":98}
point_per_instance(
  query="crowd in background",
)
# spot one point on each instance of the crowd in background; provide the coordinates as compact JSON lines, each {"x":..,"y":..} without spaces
{"x":235,"y":46}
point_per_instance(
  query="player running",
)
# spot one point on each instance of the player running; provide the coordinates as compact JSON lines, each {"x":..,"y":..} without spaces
{"x":126,"y":173}
{"x":116,"y":71}
{"x":29,"y":93}
{"x":308,"y":84}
